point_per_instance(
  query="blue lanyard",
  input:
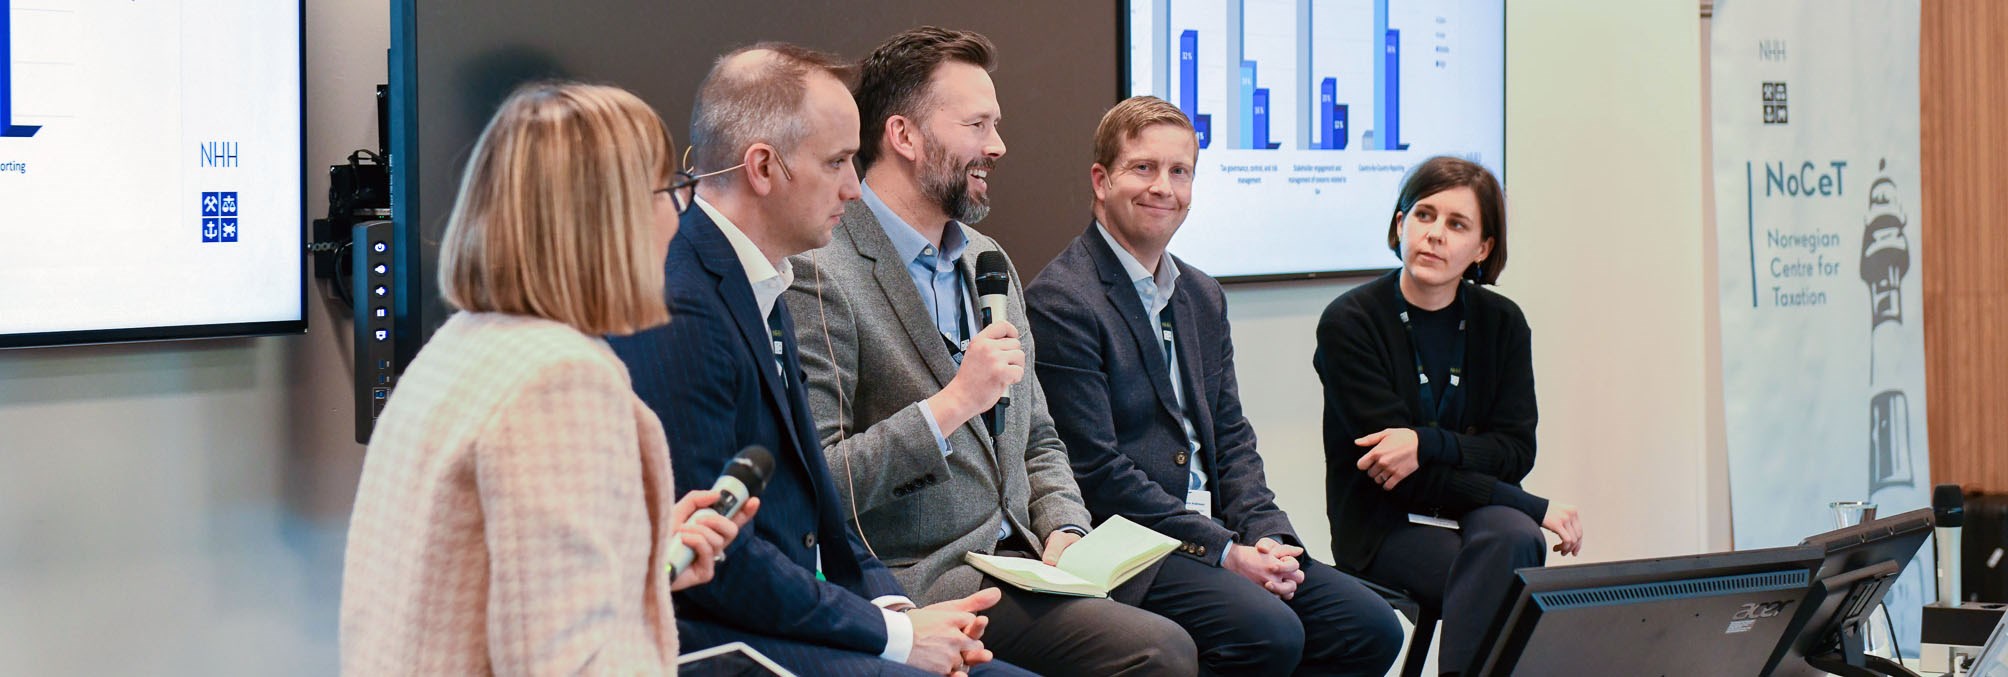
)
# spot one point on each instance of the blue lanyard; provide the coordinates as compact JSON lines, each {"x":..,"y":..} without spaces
{"x":1440,"y":409}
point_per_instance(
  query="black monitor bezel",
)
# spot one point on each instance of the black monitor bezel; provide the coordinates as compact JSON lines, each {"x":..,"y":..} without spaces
{"x":1505,"y":639}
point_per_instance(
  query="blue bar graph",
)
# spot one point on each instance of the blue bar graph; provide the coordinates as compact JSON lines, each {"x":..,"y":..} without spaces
{"x":1261,"y":114}
{"x":1336,"y":132}
{"x":1254,"y":111}
{"x":1260,"y":111}
{"x":1328,"y":92}
{"x":7,"y":126}
{"x":1381,"y":104}
{"x":1188,"y":86}
{"x":1391,"y":100}
{"x":1188,"y":72}
{"x":1247,"y":136}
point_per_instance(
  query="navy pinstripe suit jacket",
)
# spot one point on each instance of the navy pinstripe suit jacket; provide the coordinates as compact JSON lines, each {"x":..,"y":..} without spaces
{"x":709,"y":374}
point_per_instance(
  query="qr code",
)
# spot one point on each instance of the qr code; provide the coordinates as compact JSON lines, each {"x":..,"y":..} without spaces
{"x":1774,"y":104}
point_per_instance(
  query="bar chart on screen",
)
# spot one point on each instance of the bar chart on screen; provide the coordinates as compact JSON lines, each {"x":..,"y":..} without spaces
{"x":150,"y":167}
{"x":1308,"y":113}
{"x":34,"y":62}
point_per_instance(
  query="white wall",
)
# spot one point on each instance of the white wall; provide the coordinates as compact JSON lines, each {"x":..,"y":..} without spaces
{"x":179,"y":508}
{"x":1604,"y":192}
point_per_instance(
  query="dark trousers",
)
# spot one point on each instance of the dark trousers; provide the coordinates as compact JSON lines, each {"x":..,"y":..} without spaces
{"x":1332,"y":626}
{"x":1463,"y":572}
{"x":802,"y":658}
{"x":1058,"y":635}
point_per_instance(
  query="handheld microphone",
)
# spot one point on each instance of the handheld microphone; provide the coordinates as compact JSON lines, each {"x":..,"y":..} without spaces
{"x":1948,"y":512}
{"x":993,"y":287}
{"x":745,"y":476}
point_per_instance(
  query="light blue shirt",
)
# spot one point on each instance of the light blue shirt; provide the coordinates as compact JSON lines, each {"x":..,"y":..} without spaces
{"x":1154,"y":290}
{"x":937,"y":276}
{"x":1155,"y":293}
{"x":935,"y":272}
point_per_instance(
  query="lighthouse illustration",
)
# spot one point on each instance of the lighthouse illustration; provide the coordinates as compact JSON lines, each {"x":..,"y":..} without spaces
{"x":1893,"y":477}
{"x":1885,"y":262}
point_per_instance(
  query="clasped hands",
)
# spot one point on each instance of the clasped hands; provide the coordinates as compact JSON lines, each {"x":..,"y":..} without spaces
{"x":1269,"y":564}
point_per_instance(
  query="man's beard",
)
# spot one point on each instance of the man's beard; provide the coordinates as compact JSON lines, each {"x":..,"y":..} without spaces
{"x":946,"y":181}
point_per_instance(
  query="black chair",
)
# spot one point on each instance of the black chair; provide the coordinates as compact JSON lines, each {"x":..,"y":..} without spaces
{"x":1424,"y":620}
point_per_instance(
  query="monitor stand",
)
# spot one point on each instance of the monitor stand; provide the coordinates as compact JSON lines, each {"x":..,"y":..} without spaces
{"x":1842,"y":653}
{"x":1850,"y":660}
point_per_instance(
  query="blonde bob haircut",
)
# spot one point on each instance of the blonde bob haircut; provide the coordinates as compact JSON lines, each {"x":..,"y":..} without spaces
{"x":556,"y":215}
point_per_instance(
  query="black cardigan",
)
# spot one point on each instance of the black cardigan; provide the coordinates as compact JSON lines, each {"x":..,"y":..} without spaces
{"x":1368,"y":369}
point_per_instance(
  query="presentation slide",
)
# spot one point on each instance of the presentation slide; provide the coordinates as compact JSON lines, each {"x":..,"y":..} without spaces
{"x":150,"y":167}
{"x":1309,"y":113}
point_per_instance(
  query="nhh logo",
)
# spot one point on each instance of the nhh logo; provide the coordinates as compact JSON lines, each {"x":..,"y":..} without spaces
{"x":1774,"y":104}
{"x":1771,"y":50}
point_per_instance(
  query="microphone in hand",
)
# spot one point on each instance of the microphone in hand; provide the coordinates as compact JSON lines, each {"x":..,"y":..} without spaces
{"x":744,"y":478}
{"x":993,"y":290}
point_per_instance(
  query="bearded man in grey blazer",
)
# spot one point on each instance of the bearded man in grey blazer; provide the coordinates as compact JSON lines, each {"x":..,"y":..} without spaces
{"x":900,"y":374}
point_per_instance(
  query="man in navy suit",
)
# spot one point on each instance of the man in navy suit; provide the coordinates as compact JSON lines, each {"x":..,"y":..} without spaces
{"x":773,"y":132}
{"x":1138,"y":366}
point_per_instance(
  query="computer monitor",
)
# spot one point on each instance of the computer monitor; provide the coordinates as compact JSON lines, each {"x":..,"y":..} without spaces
{"x":1717,"y":614}
{"x":1993,"y":660}
{"x":1857,"y":567}
{"x":1309,"y":115}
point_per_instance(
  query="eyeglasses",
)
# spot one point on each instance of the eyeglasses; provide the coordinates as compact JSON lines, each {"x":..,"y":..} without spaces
{"x":683,"y":192}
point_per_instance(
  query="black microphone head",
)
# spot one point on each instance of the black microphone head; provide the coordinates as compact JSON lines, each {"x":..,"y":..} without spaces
{"x":752,"y":467}
{"x":993,"y":274}
{"x":1948,"y":506}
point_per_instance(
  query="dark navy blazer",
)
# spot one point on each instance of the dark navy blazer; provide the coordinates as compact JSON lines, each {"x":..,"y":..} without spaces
{"x":1109,"y":389}
{"x":710,"y":376}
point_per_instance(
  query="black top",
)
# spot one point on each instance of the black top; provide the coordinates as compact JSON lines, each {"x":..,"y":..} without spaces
{"x":1436,"y":338}
{"x":1478,"y":457}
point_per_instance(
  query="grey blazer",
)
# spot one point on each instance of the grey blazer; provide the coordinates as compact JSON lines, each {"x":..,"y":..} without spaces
{"x":857,"y":312}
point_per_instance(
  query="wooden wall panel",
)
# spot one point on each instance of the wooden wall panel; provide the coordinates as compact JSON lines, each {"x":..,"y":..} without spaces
{"x":1964,"y":80}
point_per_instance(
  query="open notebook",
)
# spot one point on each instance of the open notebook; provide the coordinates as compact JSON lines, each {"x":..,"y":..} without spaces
{"x":1116,"y":551}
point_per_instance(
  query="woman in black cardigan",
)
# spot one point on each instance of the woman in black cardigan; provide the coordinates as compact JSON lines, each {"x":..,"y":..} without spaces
{"x":1429,"y":413}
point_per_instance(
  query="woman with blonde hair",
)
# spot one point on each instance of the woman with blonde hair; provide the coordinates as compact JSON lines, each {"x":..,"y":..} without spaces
{"x":515,"y":511}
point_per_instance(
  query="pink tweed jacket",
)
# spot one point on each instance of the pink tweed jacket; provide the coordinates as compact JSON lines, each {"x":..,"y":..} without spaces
{"x":513,"y":515}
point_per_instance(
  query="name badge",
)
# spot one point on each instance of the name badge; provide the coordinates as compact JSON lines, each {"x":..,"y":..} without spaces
{"x":1429,"y":521}
{"x":1199,"y":501}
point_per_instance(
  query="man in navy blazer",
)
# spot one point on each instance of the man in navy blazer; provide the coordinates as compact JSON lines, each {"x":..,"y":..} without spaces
{"x":774,"y":128}
{"x":1138,"y":366}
